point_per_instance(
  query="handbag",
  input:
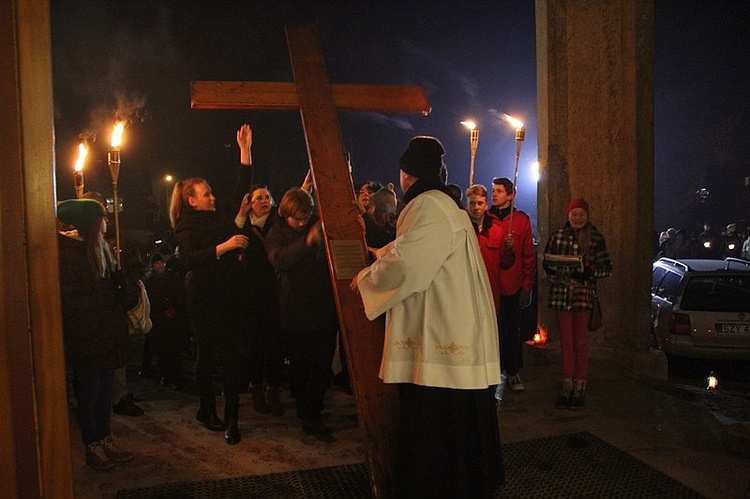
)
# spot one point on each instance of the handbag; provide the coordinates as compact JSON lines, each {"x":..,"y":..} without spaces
{"x":595,"y":320}
{"x":139,"y":317}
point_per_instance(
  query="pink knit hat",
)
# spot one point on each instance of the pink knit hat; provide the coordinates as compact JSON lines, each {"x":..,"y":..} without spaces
{"x":578,"y":203}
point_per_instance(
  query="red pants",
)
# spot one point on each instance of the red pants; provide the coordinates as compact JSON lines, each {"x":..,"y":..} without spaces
{"x":574,"y":343}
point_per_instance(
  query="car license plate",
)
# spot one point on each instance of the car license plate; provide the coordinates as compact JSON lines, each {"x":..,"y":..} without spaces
{"x":733,"y":328}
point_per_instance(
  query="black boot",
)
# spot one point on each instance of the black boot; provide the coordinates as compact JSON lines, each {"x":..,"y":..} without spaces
{"x":260,"y":404}
{"x":207,"y":417}
{"x":274,"y":401}
{"x":232,"y":416}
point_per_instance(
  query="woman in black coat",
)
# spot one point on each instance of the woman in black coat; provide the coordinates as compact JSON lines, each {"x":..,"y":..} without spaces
{"x":210,"y":247}
{"x":265,"y":340}
{"x":94,"y":324}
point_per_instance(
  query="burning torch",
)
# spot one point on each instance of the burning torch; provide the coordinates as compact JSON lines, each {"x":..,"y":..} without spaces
{"x":509,"y":257}
{"x":113,"y":159}
{"x":78,"y":170}
{"x":520,"y":134}
{"x":474,"y":143}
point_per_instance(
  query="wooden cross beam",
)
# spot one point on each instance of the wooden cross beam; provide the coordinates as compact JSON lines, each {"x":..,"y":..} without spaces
{"x":317,"y":101}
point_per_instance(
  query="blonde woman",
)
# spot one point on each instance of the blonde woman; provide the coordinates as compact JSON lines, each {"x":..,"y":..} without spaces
{"x":210,"y":247}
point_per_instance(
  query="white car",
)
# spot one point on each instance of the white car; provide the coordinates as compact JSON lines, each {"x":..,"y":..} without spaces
{"x":701,"y":308}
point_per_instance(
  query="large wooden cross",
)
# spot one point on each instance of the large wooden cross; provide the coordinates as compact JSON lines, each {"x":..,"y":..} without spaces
{"x":317,"y":101}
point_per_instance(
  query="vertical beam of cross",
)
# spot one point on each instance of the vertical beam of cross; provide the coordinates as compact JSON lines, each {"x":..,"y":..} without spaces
{"x":317,"y":101}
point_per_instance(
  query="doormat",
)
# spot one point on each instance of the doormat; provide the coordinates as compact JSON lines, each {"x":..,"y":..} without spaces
{"x":573,"y":465}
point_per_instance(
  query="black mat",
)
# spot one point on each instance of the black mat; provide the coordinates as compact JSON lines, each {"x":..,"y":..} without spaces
{"x":574,"y":465}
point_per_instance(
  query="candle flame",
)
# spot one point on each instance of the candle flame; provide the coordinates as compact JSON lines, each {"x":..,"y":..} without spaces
{"x":469,"y":124}
{"x":117,"y":134}
{"x":713,"y":382}
{"x":540,"y":337}
{"x":510,"y":119}
{"x":542,"y":334}
{"x":82,"y":152}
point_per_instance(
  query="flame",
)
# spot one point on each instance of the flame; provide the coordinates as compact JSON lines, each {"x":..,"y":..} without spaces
{"x":117,"y":134}
{"x":510,"y":119}
{"x":469,"y":124}
{"x":82,"y":152}
{"x":713,"y":382}
{"x":540,"y":338}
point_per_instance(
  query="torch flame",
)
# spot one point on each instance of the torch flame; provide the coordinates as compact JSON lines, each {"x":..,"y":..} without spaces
{"x":117,"y":134}
{"x":469,"y":124}
{"x":510,"y":119}
{"x":82,"y":152}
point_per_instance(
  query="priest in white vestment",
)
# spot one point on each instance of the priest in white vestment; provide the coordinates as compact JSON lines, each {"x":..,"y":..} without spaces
{"x":441,"y":343}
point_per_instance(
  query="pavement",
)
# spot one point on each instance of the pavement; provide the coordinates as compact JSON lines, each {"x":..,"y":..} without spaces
{"x":697,"y":436}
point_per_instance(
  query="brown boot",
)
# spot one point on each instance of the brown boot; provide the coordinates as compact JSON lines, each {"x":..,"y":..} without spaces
{"x":115,"y":453}
{"x":578,"y":397}
{"x":563,"y":399}
{"x":96,"y":458}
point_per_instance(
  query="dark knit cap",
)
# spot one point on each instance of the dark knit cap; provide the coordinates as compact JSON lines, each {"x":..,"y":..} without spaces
{"x":156,"y":257}
{"x":82,"y":214}
{"x":423,"y":157}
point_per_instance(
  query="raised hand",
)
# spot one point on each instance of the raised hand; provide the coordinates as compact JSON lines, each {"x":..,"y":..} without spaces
{"x":245,"y":141}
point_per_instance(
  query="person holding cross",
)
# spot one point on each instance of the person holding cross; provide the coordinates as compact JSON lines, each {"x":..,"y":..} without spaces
{"x":296,"y":250}
{"x":441,"y":344}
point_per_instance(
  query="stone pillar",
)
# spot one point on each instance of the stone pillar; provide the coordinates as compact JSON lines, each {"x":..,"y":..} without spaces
{"x":596,"y":140}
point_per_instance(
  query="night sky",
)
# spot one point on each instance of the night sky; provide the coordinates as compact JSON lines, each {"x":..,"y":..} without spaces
{"x":476,"y":60}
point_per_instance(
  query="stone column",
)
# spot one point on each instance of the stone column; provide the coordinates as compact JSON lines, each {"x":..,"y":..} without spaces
{"x":596,"y":140}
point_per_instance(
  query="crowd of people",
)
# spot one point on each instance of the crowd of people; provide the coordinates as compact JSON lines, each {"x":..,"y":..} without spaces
{"x":248,"y":292}
{"x":733,"y":241}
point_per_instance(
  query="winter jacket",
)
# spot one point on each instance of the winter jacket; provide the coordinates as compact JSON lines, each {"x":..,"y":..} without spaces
{"x":261,"y":276}
{"x":490,"y":240}
{"x":520,"y":275}
{"x":305,"y":291}
{"x":215,"y":284}
{"x":94,"y":321}
{"x":573,"y":291}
